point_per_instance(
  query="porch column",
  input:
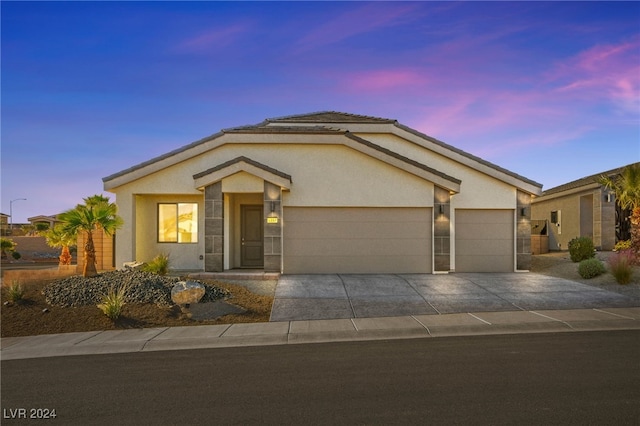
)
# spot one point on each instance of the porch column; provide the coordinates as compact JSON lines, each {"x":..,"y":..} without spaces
{"x":272,"y":227}
{"x":523,"y":235}
{"x":441,"y":229}
{"x":213,"y":228}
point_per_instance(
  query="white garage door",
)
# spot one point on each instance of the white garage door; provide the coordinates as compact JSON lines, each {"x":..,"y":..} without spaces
{"x":356,"y":240}
{"x":484,"y":240}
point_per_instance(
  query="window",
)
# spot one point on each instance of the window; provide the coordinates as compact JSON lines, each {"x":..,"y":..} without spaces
{"x":178,"y":223}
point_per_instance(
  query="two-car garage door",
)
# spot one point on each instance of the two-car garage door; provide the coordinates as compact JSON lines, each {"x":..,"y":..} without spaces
{"x":357,"y":240}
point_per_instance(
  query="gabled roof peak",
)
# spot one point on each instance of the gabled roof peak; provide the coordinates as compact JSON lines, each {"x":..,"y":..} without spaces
{"x":330,"y":117}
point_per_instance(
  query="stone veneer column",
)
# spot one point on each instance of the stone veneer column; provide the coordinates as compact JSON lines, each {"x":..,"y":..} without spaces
{"x":213,"y":228}
{"x":604,"y":220}
{"x":523,"y":236}
{"x":441,"y":229}
{"x":272,"y":231}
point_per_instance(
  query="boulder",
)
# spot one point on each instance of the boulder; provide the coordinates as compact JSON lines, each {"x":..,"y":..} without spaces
{"x":187,"y":292}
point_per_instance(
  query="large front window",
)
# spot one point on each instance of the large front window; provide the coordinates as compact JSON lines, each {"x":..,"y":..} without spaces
{"x":178,"y":223}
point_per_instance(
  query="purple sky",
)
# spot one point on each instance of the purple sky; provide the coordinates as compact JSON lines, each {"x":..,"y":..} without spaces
{"x":547,"y":90}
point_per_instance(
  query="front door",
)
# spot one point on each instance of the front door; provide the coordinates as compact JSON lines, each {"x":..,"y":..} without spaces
{"x":251,"y":252}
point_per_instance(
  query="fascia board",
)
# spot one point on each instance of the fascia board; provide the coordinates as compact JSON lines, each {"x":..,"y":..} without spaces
{"x":241,"y":166}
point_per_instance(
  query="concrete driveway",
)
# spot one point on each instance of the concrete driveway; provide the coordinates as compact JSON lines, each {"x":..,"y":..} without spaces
{"x":312,"y":297}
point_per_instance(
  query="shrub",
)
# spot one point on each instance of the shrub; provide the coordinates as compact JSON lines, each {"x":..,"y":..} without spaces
{"x":15,"y":292}
{"x":622,"y":245}
{"x":581,"y":248}
{"x":159,"y":265}
{"x":16,"y":255}
{"x":590,"y":268}
{"x":113,"y":302}
{"x":621,"y":266}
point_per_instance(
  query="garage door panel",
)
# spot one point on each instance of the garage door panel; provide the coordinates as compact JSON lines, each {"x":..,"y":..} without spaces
{"x":336,"y":229}
{"x":484,"y":241}
{"x":357,"y":240}
{"x":345,"y":264}
{"x":485,"y":248}
{"x":500,"y":231}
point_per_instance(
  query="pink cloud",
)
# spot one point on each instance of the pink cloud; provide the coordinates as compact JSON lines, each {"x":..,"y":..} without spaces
{"x":218,"y":37}
{"x":361,"y":20}
{"x":605,"y":72}
{"x":382,"y":80}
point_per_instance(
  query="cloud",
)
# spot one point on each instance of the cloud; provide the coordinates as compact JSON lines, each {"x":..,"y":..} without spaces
{"x":213,"y":38}
{"x":363,"y":19}
{"x":605,"y":72}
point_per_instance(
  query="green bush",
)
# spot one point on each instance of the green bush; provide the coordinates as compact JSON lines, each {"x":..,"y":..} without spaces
{"x":590,"y":268}
{"x":620,"y":265}
{"x":581,"y":248}
{"x":16,"y":255}
{"x":159,"y":265}
{"x":15,"y":292}
{"x":113,"y":302}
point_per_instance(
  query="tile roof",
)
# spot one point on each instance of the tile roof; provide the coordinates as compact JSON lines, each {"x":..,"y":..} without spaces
{"x":245,"y":160}
{"x":588,"y":180}
{"x":329,"y":117}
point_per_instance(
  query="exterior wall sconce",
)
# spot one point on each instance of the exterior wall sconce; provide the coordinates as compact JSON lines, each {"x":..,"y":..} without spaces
{"x":273,"y":217}
{"x":607,"y":198}
{"x":441,"y":209}
{"x":523,"y":211}
{"x":273,"y":207}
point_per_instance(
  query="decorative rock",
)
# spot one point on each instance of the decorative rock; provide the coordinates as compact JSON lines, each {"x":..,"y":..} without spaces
{"x":187,"y":292}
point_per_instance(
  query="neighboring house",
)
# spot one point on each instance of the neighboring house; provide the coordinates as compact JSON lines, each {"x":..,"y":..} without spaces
{"x":4,"y":224}
{"x":50,"y":221}
{"x":582,"y":208}
{"x":325,"y":192}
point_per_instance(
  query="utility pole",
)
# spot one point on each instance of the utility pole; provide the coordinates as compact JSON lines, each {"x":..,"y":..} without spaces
{"x":11,"y":213}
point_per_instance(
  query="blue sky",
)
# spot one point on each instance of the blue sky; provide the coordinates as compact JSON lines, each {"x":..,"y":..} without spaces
{"x":547,"y":90}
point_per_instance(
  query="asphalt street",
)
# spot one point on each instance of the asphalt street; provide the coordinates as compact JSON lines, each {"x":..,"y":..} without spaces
{"x":537,"y":379}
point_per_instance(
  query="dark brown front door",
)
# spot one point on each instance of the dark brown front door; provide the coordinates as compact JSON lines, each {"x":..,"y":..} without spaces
{"x":251,"y":253}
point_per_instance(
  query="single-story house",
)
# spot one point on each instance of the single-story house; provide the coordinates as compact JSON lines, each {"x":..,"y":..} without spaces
{"x":582,"y":208}
{"x":326,"y":192}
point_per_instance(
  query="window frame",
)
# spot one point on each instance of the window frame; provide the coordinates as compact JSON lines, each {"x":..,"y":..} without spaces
{"x":194,"y":235}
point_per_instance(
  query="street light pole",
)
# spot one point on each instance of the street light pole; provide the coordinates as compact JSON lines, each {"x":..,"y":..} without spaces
{"x":11,"y":213}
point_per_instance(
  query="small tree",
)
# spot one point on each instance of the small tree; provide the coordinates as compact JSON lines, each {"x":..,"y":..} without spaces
{"x":6,"y":245}
{"x":57,"y":237}
{"x":96,"y":213}
{"x":626,"y":188}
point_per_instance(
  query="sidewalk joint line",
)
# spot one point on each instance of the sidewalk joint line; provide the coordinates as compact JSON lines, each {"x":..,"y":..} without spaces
{"x":554,"y":319}
{"x":354,"y":324}
{"x":423,"y":325}
{"x":479,"y":319}
{"x":611,"y":313}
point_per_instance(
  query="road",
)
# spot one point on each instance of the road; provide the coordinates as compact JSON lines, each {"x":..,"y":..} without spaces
{"x":540,"y":379}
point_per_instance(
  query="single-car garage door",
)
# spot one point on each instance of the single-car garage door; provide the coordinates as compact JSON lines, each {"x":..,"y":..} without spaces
{"x":484,"y":240}
{"x":356,"y":240}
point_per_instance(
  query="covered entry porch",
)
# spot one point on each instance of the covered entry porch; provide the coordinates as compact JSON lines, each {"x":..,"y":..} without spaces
{"x":243,"y":215}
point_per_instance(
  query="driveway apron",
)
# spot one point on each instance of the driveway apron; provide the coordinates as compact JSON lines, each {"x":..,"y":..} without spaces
{"x":333,"y":296}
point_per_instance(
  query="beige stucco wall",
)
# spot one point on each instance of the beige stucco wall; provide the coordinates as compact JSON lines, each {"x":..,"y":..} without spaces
{"x":181,"y":256}
{"x":323,"y":175}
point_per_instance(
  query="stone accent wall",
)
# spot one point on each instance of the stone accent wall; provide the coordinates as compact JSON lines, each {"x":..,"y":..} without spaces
{"x":213,"y":228}
{"x":441,"y":230}
{"x":523,"y":235}
{"x":272,"y":231}
{"x":604,"y":220}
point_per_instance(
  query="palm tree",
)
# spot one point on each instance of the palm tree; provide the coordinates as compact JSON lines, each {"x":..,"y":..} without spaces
{"x":626,"y":188}
{"x":58,"y":237}
{"x":96,"y":213}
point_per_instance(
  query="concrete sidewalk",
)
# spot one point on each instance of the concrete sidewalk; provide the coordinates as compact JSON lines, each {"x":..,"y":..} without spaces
{"x":316,"y":331}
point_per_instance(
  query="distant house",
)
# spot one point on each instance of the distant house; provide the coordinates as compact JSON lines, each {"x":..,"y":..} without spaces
{"x":4,"y":224}
{"x":582,"y":208}
{"x":50,"y":221}
{"x":325,"y":192}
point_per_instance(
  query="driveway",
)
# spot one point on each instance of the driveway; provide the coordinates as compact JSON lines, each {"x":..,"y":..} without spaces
{"x":312,"y":297}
